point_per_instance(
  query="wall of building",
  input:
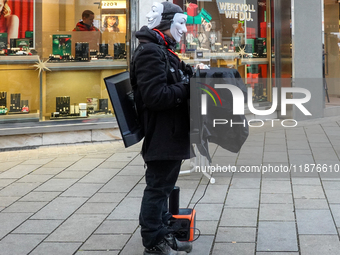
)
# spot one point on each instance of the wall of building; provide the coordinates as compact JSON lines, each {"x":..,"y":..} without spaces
{"x":307,"y":55}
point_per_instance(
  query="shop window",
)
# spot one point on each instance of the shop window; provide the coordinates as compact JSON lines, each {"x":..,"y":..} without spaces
{"x":230,"y":33}
{"x":52,"y":67}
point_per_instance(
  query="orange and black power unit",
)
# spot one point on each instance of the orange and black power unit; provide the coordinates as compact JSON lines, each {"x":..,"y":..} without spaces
{"x":185,"y":223}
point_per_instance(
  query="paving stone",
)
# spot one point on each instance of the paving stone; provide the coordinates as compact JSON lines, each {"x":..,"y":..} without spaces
{"x":299,"y":152}
{"x":105,"y":242}
{"x":110,"y":197}
{"x":56,"y":248}
{"x":113,"y":165}
{"x":138,"y":191}
{"x":61,"y":163}
{"x":203,"y":246}
{"x":319,"y":244}
{"x":277,"y":212}
{"x":243,"y":198}
{"x":77,"y":228}
{"x":128,"y":209}
{"x":97,"y":253}
{"x":56,"y":185}
{"x":48,"y":170}
{"x":39,"y":196}
{"x":6,"y":201}
{"x":85,"y":164}
{"x":208,"y":212}
{"x":333,"y":196}
{"x":335,"y":209}
{"x":35,"y":178}
{"x":277,"y":198}
{"x":277,"y":253}
{"x":186,"y":184}
{"x":331,"y":185}
{"x":275,"y":157}
{"x":276,"y":186}
{"x":118,"y":227}
{"x":300,"y":191}
{"x":60,"y":208}
{"x":137,"y":161}
{"x":17,"y":244}
{"x":123,"y":156}
{"x":18,"y":189}
{"x":9,"y":221}
{"x":99,"y":175}
{"x":232,"y":234}
{"x":97,"y":208}
{"x":277,"y":236}
{"x":239,"y":217}
{"x":234,"y":248}
{"x":8,"y":165}
{"x":324,"y":154}
{"x":224,"y":161}
{"x":132,"y":170}
{"x":245,"y":183}
{"x":40,"y":161}
{"x":214,"y":194}
{"x":271,"y":147}
{"x":82,"y":190}
{"x":315,"y":222}
{"x":207,"y":227}
{"x":68,"y":174}
{"x":29,"y":207}
{"x":303,"y":203}
{"x":121,"y":184}
{"x":6,"y":182}
{"x":37,"y":227}
{"x":306,"y":181}
{"x":134,"y":246}
{"x":18,"y":171}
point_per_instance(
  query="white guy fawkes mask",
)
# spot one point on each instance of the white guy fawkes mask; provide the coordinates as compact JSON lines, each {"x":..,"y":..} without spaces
{"x":155,"y":15}
{"x":178,"y":26}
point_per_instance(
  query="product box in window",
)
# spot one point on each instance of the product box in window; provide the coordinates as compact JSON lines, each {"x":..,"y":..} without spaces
{"x":92,"y":104}
{"x":61,"y":45}
{"x":3,"y":41}
{"x":22,"y":43}
{"x":192,"y":10}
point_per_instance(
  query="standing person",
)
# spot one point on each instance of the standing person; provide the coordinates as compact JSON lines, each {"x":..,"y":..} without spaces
{"x":161,"y":88}
{"x":87,"y":23}
{"x":9,"y":23}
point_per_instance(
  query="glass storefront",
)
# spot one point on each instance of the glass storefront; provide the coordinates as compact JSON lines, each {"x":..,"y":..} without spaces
{"x":234,"y":34}
{"x":331,"y":56}
{"x":49,"y":70}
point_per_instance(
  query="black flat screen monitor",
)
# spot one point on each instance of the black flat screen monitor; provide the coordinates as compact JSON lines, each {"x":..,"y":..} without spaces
{"x":120,"y":92}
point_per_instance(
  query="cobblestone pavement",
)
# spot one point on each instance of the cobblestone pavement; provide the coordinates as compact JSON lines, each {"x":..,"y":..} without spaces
{"x":84,"y":199}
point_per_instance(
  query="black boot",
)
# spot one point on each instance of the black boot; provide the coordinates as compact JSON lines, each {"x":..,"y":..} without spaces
{"x":162,"y":248}
{"x":177,"y":245}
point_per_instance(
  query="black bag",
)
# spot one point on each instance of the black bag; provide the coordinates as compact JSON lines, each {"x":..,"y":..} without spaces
{"x":229,"y":137}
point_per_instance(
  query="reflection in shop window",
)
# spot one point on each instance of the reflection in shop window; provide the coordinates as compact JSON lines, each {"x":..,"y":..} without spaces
{"x":229,"y":33}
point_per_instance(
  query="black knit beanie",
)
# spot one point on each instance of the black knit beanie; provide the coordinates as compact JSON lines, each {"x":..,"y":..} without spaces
{"x":168,"y":14}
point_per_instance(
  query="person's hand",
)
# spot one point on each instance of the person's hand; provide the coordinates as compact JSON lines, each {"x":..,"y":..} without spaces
{"x":187,"y":69}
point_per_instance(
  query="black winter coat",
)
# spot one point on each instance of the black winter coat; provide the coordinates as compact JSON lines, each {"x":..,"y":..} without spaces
{"x":161,"y":98}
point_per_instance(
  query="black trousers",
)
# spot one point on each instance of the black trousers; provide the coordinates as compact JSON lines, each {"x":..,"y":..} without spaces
{"x":160,"y":177}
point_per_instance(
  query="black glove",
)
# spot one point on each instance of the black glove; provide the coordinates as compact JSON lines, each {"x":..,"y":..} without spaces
{"x":187,"y":69}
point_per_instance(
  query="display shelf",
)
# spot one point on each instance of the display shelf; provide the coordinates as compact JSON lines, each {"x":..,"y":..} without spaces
{"x":91,"y":65}
{"x":19,"y":117}
{"x":254,"y":61}
{"x":15,"y":60}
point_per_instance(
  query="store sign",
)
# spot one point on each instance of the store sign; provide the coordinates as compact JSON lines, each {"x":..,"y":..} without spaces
{"x":236,"y":10}
{"x":113,"y":4}
{"x":238,"y":100}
